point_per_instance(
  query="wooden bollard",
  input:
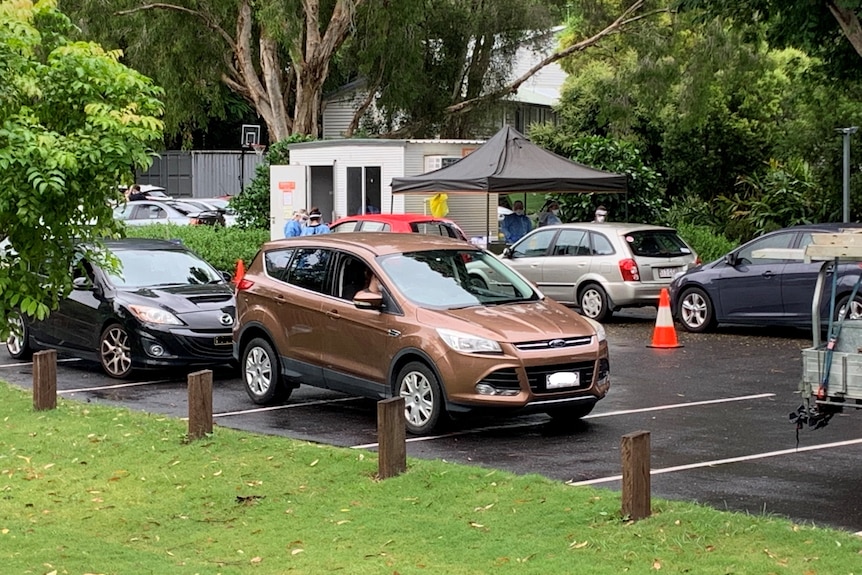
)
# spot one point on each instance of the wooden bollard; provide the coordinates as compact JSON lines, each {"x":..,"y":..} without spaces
{"x":200,"y":404}
{"x":45,"y":380}
{"x":391,"y":438}
{"x":635,"y":454}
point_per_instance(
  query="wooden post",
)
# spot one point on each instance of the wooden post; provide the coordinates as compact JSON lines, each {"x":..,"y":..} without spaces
{"x":391,"y":438}
{"x":45,"y":380}
{"x":200,"y":404}
{"x":635,"y":454}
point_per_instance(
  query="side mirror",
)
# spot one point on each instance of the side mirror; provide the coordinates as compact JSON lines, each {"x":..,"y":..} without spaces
{"x":82,"y":283}
{"x":730,"y":259}
{"x":226,"y":276}
{"x":368,"y":300}
{"x":507,"y":252}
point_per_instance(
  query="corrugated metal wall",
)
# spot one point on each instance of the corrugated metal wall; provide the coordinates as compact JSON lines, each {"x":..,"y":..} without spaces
{"x":202,"y":174}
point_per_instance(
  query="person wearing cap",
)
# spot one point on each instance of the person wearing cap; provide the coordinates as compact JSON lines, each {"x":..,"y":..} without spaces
{"x":601,"y":214}
{"x":315,"y":225}
{"x":293,"y":227}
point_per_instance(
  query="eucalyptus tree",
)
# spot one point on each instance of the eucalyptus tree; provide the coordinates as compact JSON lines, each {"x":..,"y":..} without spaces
{"x":74,"y":123}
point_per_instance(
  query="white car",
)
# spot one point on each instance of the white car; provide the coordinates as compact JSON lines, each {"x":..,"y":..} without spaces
{"x":145,"y":212}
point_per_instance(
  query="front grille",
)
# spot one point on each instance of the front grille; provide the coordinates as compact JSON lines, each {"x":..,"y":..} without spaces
{"x":503,"y":379}
{"x":557,"y":343}
{"x":205,"y":348}
{"x":538,"y":375}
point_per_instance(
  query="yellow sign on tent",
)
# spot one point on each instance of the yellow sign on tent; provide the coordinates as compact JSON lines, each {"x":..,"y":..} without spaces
{"x":439,"y":206}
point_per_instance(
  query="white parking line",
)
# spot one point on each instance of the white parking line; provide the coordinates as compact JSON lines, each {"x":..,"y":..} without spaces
{"x":23,"y":363}
{"x":716,"y":462}
{"x":592,"y":416}
{"x":117,"y":386}
{"x":288,"y":406}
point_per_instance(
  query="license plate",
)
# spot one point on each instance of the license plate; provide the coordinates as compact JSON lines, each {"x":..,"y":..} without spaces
{"x":223,"y":340}
{"x":562,"y":379}
{"x":667,"y":272}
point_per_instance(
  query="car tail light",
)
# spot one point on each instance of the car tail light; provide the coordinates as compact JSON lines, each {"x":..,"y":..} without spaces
{"x":195,"y":222}
{"x":629,"y":270}
{"x":244,"y":284}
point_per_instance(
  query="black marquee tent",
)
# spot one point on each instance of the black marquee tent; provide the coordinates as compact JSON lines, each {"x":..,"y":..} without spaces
{"x":508,"y":163}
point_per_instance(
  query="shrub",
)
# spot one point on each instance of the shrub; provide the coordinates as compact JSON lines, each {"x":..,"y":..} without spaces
{"x":220,"y":246}
{"x":708,"y":244}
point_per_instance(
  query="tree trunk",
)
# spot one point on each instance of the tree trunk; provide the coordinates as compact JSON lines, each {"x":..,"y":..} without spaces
{"x":849,"y":22}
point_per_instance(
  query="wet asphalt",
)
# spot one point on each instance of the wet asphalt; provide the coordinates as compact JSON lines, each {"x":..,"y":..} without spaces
{"x":717,"y":411}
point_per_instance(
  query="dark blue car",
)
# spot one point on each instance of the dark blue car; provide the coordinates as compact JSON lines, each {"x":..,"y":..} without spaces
{"x":741,"y":289}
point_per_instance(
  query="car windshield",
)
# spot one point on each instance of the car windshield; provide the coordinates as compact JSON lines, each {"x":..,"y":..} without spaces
{"x":145,"y":268}
{"x":455,"y":278}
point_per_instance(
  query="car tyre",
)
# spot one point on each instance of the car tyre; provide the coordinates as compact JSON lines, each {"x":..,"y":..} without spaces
{"x":18,"y":342}
{"x":696,"y":312}
{"x":594,"y":303}
{"x":115,"y":355}
{"x":855,"y":308}
{"x":261,"y":373}
{"x":423,"y":400}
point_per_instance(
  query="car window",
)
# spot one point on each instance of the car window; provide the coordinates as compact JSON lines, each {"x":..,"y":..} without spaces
{"x":656,"y":243}
{"x":351,"y":277}
{"x":436,"y":229}
{"x":149,"y":212}
{"x":781,"y":240}
{"x":276,"y":263}
{"x":601,"y":245}
{"x":572,"y":243}
{"x":534,"y":245}
{"x":161,"y":267}
{"x":308,"y":269}
{"x":374,"y":227}
{"x":345,"y":227}
{"x":443,"y":279}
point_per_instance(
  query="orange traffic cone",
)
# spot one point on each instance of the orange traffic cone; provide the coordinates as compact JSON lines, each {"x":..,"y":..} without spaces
{"x":240,"y":271}
{"x":664,"y":334}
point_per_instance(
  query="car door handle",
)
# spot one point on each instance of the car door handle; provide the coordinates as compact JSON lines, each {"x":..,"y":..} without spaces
{"x":768,"y":274}
{"x":333,"y":313}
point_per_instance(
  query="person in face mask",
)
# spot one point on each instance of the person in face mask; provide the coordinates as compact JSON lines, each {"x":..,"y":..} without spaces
{"x":601,"y":214}
{"x":551,"y":216}
{"x":517,"y":224}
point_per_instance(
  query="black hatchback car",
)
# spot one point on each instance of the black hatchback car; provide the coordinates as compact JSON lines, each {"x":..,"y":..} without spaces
{"x":163,"y":306}
{"x":745,"y":290}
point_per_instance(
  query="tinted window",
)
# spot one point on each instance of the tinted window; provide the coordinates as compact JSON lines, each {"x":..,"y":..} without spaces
{"x":572,"y":243}
{"x":308,"y":269}
{"x":534,"y":245}
{"x":782,"y":240}
{"x":601,"y":245}
{"x":149,"y":212}
{"x":435,"y":229}
{"x":375,"y":227}
{"x":276,"y":263}
{"x":345,"y":227}
{"x":656,"y":244}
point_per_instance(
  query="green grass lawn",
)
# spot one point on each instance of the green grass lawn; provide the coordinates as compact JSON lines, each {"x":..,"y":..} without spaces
{"x":91,"y":489}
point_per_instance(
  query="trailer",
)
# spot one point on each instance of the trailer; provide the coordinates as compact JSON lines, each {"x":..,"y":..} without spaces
{"x":831,"y":367}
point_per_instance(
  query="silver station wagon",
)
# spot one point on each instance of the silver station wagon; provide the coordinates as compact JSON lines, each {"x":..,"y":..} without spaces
{"x":601,"y":267}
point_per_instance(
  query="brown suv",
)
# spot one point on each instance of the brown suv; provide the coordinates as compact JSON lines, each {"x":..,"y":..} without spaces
{"x":382,"y":314}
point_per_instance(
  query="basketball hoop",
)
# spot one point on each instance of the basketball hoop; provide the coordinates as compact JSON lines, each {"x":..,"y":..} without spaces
{"x":259,"y":149}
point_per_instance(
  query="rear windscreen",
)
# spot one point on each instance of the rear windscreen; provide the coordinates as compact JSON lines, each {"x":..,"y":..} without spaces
{"x":658,"y":244}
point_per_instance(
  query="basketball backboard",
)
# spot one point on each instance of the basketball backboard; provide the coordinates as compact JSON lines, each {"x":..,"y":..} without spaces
{"x":250,"y":135}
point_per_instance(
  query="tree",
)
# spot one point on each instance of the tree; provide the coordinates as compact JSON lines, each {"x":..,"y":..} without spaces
{"x":74,"y":123}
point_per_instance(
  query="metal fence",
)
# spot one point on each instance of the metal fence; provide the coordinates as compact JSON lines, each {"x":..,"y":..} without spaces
{"x":202,"y":174}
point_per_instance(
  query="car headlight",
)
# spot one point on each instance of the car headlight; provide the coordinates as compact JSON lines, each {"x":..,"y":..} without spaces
{"x":149,"y":314}
{"x":468,"y":343}
{"x":600,"y":329}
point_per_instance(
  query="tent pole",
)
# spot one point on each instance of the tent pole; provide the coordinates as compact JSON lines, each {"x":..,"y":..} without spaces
{"x":488,"y":221}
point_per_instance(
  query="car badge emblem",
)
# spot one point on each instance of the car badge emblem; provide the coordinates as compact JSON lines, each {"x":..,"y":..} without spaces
{"x":226,"y":319}
{"x":557,"y":343}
